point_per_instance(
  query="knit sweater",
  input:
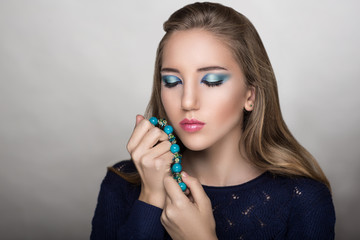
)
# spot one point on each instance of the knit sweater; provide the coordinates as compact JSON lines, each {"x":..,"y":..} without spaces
{"x":267,"y":207}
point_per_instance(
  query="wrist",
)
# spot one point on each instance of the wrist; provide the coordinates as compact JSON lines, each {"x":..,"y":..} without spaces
{"x":153,"y":199}
{"x":212,"y":237}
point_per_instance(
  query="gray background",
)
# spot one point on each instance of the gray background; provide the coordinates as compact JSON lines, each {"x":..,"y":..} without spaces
{"x":73,"y":75}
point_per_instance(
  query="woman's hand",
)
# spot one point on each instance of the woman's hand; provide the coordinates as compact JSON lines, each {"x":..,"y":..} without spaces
{"x":150,"y":150}
{"x":187,"y":217}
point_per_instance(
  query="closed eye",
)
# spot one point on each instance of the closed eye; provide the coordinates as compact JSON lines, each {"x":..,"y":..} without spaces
{"x":170,"y":81}
{"x":214,"y":79}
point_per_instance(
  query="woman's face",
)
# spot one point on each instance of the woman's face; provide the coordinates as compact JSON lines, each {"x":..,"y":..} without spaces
{"x":203,"y":89}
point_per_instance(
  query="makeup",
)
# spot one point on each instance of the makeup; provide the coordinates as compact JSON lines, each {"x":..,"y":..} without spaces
{"x":192,"y":125}
{"x":170,"y":80}
{"x":215,"y":79}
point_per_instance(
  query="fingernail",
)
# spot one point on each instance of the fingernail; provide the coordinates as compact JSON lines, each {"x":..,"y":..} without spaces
{"x":136,"y":119}
{"x":184,"y":174}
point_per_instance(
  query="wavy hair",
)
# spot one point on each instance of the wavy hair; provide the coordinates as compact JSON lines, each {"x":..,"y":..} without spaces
{"x":268,"y":141}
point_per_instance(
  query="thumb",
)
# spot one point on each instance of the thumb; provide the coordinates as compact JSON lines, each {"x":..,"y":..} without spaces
{"x":139,"y":118}
{"x":197,"y":191}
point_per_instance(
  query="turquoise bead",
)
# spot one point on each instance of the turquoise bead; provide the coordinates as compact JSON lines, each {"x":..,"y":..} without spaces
{"x":182,"y":186}
{"x":168,"y":129}
{"x":176,"y":168}
{"x":174,"y":148}
{"x":154,"y":121}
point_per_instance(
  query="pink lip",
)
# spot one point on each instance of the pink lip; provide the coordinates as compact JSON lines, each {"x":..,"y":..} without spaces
{"x":192,"y":125}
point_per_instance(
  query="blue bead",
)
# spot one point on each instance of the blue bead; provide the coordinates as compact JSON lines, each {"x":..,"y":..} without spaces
{"x":168,"y":129}
{"x":174,"y":148}
{"x":153,"y":121}
{"x":176,"y":168}
{"x":182,"y":186}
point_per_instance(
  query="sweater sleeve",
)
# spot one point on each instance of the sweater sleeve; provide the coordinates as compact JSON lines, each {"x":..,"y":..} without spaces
{"x":119,"y":215}
{"x":312,"y":215}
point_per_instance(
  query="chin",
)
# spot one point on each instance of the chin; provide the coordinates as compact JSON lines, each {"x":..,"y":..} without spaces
{"x":195,"y":145}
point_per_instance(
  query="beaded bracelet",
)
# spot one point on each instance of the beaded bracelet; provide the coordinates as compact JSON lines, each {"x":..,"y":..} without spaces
{"x":176,"y":164}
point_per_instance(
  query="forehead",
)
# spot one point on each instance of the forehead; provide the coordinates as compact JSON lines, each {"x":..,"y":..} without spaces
{"x":196,"y":48}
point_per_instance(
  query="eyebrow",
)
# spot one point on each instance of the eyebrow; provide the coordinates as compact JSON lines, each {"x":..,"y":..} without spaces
{"x":204,"y":69}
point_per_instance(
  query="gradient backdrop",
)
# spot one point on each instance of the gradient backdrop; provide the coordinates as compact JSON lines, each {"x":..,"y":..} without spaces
{"x":73,"y":75}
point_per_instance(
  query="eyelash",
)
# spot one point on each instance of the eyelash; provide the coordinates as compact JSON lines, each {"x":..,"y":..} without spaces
{"x":170,"y":85}
{"x":213,"y":84}
{"x":174,"y":84}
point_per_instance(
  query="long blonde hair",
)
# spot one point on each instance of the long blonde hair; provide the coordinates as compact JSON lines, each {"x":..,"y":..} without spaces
{"x":268,"y":142}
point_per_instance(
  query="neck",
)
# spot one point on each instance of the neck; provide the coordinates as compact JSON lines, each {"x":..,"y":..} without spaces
{"x":220,"y":165}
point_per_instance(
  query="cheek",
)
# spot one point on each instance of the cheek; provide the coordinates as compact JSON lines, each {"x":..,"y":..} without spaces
{"x":165,"y":100}
{"x":169,"y":99}
{"x":228,"y":105}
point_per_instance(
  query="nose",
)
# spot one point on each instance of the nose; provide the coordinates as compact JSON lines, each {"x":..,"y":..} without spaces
{"x":189,"y":100}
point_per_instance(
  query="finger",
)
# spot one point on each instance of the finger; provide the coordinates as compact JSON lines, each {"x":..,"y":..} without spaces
{"x":139,"y":132}
{"x":162,"y":152}
{"x":197,"y":191}
{"x":139,"y":118}
{"x":191,"y":198}
{"x":153,"y":136}
{"x":166,"y":161}
{"x":173,"y":190}
{"x":147,"y":135}
{"x":165,"y":214}
{"x":187,"y":192}
{"x":167,"y":200}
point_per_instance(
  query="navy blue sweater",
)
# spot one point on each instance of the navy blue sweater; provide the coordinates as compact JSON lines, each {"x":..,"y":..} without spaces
{"x":267,"y":207}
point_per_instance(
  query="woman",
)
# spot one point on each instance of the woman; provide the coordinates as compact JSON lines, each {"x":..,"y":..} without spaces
{"x":246,"y":175}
